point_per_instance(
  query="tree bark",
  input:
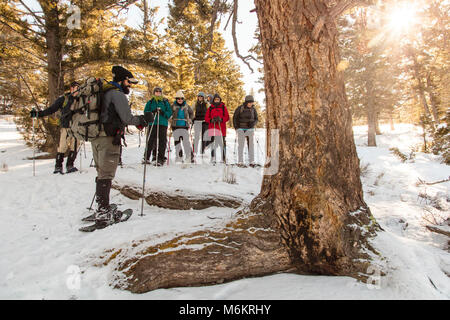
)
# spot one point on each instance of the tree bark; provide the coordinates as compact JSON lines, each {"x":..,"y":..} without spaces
{"x":55,"y":72}
{"x":310,"y":216}
{"x":317,"y":192}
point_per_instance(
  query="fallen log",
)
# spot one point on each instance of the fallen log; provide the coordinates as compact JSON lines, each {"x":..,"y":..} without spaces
{"x":180,"y":201}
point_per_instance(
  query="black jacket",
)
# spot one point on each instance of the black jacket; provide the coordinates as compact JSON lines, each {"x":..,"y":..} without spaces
{"x":63,"y":103}
{"x":245,"y":118}
{"x":200,"y":111}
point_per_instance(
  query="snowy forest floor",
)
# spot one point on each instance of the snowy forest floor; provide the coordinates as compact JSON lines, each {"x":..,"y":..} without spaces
{"x":44,"y":256}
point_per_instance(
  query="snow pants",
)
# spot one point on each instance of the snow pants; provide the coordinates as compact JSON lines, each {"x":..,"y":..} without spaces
{"x":248,"y":135}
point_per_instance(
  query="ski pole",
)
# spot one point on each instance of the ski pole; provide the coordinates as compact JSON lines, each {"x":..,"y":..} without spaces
{"x":157,"y":140}
{"x":92,"y":202}
{"x":139,"y":139}
{"x":34,"y":151}
{"x":145,"y":167}
{"x":168,"y":150}
{"x":259,"y":147}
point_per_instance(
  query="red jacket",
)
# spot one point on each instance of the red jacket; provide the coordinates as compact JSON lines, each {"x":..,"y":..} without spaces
{"x":222,"y":112}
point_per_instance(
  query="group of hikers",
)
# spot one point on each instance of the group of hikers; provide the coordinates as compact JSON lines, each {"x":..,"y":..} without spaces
{"x":208,"y":119}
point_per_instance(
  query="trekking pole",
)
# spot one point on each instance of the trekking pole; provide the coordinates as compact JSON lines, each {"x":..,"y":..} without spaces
{"x":92,"y":202}
{"x":81,"y":167}
{"x":157,"y":140}
{"x":259,"y":147}
{"x":145,"y":167}
{"x":168,"y":149}
{"x":34,"y":151}
{"x":139,"y":139}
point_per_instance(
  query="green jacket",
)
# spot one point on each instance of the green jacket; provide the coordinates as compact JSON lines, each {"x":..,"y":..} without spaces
{"x":166,"y":111}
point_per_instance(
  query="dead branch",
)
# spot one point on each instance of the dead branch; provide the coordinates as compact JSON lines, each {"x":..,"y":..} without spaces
{"x":422,"y":182}
{"x":438,"y":230}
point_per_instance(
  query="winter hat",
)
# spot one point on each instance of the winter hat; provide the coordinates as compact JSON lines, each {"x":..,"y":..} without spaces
{"x":210,"y":96}
{"x":74,"y":84}
{"x":201,"y":94}
{"x":217,"y":96}
{"x":179,"y":94}
{"x":249,"y":98}
{"x":157,"y":89}
{"x":121,"y":74}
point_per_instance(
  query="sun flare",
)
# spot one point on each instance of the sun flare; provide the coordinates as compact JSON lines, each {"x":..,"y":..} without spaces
{"x":403,"y":18}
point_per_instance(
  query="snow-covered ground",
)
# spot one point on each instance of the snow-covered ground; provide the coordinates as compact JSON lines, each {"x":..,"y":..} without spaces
{"x":44,"y":256}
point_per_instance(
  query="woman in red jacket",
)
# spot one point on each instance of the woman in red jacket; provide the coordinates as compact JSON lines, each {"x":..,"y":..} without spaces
{"x":217,"y":117}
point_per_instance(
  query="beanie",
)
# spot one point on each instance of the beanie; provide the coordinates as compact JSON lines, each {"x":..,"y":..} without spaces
{"x":121,"y":74}
{"x":179,"y":94}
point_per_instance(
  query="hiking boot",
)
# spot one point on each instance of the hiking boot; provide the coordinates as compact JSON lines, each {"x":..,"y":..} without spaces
{"x":105,"y":216}
{"x":71,"y":169}
{"x":58,"y":170}
{"x":59,"y":163}
{"x":160,"y":163}
{"x":241,"y":165}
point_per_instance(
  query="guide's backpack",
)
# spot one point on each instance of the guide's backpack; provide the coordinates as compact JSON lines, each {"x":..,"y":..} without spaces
{"x":86,"y":109}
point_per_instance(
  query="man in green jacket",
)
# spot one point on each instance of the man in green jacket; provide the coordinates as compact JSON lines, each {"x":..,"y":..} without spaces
{"x":162,"y":111}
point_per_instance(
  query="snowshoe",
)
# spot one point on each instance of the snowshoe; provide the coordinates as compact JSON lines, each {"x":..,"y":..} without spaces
{"x":119,"y":216}
{"x":91,"y":218}
{"x":71,"y":169}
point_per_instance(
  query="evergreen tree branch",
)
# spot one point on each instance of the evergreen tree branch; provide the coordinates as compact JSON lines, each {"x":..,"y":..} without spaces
{"x":34,"y":41}
{"x":38,"y":19}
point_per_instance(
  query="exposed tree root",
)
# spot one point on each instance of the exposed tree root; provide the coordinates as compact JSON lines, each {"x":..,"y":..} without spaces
{"x":246,"y":247}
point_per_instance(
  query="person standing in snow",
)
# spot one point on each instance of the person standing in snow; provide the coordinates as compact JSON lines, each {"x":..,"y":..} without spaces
{"x":162,"y":111}
{"x":66,"y":141}
{"x":181,"y":123}
{"x":116,"y":114}
{"x":200,"y":126}
{"x":217,"y":117}
{"x":245,"y":119}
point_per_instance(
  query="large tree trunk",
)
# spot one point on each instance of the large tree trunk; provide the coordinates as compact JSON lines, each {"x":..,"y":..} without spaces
{"x":317,"y":192}
{"x":55,"y":73}
{"x":310,"y":216}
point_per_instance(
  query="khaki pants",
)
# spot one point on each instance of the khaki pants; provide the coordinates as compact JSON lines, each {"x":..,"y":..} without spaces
{"x":106,"y":157}
{"x":67,"y":142}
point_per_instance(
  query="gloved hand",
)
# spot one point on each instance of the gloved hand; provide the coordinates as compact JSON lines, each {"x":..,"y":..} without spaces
{"x":34,"y":113}
{"x":149,"y":117}
{"x":142,"y":122}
